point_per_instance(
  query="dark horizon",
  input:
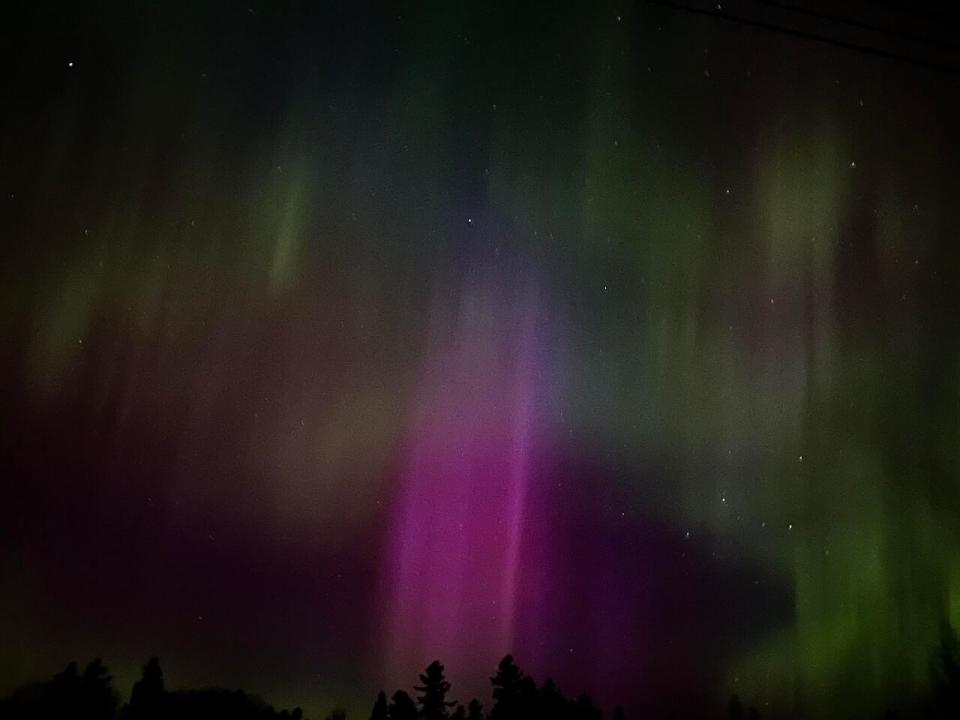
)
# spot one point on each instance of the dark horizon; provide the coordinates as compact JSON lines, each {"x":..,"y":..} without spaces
{"x":513,"y":695}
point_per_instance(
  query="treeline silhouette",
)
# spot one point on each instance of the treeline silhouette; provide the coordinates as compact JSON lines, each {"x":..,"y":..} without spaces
{"x":72,"y":695}
{"x":516,"y":696}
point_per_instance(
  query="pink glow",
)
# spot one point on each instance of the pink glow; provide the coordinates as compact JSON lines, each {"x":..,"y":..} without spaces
{"x":505,"y":537}
{"x":457,"y":540}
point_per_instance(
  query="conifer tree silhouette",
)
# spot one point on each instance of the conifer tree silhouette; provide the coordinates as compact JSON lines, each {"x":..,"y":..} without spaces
{"x":62,"y":694}
{"x":513,"y":691}
{"x":379,"y":711}
{"x":337,"y":714}
{"x":96,"y":700}
{"x":735,"y":708}
{"x":433,"y":688}
{"x":584,"y":709}
{"x":402,"y":707}
{"x":147,"y":696}
{"x":551,"y":704}
{"x":945,"y":673}
{"x":475,"y":710}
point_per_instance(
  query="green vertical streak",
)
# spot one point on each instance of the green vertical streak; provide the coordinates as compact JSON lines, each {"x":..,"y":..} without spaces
{"x":872,"y":562}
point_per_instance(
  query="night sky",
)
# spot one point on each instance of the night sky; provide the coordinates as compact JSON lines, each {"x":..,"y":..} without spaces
{"x":342,"y":337}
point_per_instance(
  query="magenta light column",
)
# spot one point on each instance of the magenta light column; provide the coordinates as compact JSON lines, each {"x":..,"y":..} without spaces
{"x":456,"y":542}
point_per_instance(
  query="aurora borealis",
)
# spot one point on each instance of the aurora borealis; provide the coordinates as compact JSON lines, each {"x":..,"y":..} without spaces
{"x":342,"y":337}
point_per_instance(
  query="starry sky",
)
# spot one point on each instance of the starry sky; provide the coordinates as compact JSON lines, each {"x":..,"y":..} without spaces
{"x":340,"y":337}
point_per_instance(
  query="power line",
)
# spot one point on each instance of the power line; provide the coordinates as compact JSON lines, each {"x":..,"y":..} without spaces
{"x":803,"y":34}
{"x":901,"y":34}
{"x":913,"y":7}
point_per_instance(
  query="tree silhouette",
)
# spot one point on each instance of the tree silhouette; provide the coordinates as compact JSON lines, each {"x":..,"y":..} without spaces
{"x":584,"y":709}
{"x":402,"y":707}
{"x":96,"y":697}
{"x":337,"y":714}
{"x":64,"y":690}
{"x":735,"y":708}
{"x":506,"y":683}
{"x":433,"y":688}
{"x":379,"y":711}
{"x":475,"y":710}
{"x":147,"y":696}
{"x":945,"y":672}
{"x":514,"y":692}
{"x":70,"y":695}
{"x":551,"y":704}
